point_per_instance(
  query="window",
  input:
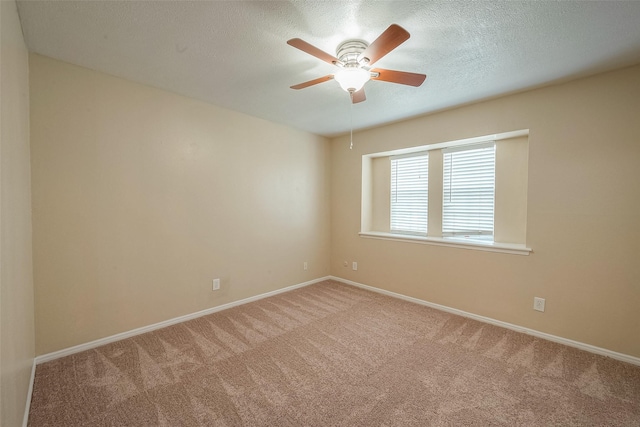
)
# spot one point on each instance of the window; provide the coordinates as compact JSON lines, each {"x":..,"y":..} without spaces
{"x":469,"y":191}
{"x":409,"y":193}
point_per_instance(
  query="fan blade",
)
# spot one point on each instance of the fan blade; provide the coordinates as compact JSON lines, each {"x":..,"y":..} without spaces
{"x":391,"y":38}
{"x":313,"y":51}
{"x":358,"y":96}
{"x":313,"y":82}
{"x":401,"y":77}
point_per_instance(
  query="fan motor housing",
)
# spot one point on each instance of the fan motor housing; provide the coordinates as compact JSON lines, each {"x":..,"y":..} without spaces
{"x":349,"y":50}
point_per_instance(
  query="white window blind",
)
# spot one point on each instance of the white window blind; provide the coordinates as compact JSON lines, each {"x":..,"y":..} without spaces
{"x":469,"y":191}
{"x":409,"y":193}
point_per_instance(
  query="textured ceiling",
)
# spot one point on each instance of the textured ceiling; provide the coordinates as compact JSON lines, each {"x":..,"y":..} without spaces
{"x":234,"y":53}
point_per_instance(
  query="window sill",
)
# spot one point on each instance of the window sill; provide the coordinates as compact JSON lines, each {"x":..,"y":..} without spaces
{"x":506,"y":248}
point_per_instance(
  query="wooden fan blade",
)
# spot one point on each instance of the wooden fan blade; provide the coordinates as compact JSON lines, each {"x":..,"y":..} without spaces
{"x":401,"y":77}
{"x":313,"y":82}
{"x":358,"y":96}
{"x":391,"y":38}
{"x":313,"y":51}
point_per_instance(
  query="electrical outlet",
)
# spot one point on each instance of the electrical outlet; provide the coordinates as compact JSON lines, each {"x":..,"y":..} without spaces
{"x":538,"y":304}
{"x":346,"y":264}
{"x":216,"y":284}
{"x":354,"y":266}
{"x":305,"y":266}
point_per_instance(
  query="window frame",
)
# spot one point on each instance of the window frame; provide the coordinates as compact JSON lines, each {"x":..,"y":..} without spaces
{"x":368,"y":215}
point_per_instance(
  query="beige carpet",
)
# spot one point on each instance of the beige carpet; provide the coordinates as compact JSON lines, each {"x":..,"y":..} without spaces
{"x":334,"y":355}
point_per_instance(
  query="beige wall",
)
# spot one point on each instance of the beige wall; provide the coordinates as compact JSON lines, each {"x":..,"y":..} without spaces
{"x":16,"y":277}
{"x":510,"y":215}
{"x":582,"y":214}
{"x":141,"y":197}
{"x":380,"y":194}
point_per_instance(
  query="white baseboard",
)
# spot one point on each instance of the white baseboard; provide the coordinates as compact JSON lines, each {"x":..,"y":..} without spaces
{"x":107,"y":340}
{"x":571,"y":343}
{"x":117,"y":337}
{"x":27,"y":405}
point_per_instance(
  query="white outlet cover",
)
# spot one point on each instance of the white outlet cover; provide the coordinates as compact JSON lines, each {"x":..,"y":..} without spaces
{"x":216,"y":284}
{"x":354,"y":265}
{"x":538,"y":304}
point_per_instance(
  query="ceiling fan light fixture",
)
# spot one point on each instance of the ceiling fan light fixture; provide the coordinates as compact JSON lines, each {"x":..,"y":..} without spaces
{"x":354,"y":58}
{"x":352,"y":79}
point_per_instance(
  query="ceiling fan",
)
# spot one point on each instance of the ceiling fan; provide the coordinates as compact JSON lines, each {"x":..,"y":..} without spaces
{"x":355,"y":58}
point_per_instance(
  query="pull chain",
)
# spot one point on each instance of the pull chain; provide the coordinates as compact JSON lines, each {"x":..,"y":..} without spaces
{"x":351,"y":109}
